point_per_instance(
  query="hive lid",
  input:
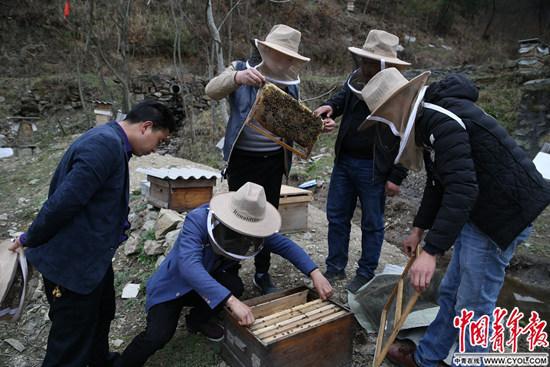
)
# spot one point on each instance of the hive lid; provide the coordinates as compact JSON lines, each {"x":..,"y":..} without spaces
{"x":294,"y":191}
{"x":185,"y":173}
{"x":542,"y":162}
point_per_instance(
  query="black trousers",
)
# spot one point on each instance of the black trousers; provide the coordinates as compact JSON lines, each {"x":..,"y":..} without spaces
{"x":162,"y":320}
{"x":264,"y":169}
{"x":79,"y":335}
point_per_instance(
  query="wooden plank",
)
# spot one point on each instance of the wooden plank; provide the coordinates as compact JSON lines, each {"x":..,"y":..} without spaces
{"x":293,"y":191}
{"x":283,"y":303}
{"x":189,"y":198}
{"x":399,"y":300}
{"x":192,"y":182}
{"x":329,"y":344}
{"x":259,"y":323}
{"x":302,"y":199}
{"x":294,"y":217}
{"x":277,"y":140}
{"x":305,"y":308}
{"x":381,"y":328}
{"x":292,"y":322}
{"x":311,"y":325}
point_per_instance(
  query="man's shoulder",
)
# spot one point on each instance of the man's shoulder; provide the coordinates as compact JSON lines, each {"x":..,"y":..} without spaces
{"x":198,"y":215}
{"x":102,"y":139}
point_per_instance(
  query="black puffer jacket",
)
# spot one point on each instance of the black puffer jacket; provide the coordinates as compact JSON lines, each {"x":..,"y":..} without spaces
{"x":476,"y":174}
{"x":380,"y":139}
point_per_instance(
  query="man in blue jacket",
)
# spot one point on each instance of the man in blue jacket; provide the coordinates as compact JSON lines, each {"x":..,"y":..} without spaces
{"x":75,"y":235}
{"x":201,"y":271}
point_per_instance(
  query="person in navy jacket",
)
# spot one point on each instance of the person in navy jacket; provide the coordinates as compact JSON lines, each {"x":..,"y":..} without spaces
{"x":201,"y":271}
{"x":75,"y":235}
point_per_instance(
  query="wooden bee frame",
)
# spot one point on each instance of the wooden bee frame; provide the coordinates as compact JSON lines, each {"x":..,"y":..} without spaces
{"x":276,"y":115}
{"x":400,"y":314}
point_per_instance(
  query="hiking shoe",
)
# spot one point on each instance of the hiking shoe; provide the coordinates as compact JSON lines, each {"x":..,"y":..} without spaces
{"x":334,"y":276}
{"x":402,"y":354}
{"x":209,"y":329}
{"x":356,"y":283}
{"x":263,"y":282}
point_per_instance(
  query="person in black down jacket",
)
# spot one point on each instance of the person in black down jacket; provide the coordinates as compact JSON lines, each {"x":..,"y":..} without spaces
{"x":482,"y":194}
{"x":363,"y":163}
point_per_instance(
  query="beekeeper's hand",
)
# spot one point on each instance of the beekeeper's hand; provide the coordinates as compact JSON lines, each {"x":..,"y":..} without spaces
{"x":321,"y":284}
{"x":392,"y":189}
{"x":242,"y":312}
{"x":422,"y":271}
{"x":328,"y":125}
{"x":249,"y":77}
{"x":15,"y":245}
{"x":323,"y":110}
{"x":413,"y":239}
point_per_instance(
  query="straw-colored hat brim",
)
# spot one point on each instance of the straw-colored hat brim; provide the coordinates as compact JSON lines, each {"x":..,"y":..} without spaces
{"x":414,"y":85}
{"x":371,"y":55}
{"x":221,"y":207}
{"x":284,"y":50}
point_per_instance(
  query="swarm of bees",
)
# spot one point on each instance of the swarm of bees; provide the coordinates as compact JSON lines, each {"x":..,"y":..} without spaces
{"x":282,"y":115}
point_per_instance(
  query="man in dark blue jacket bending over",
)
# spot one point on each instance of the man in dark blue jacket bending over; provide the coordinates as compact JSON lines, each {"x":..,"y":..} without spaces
{"x":77,"y":231}
{"x":201,"y":271}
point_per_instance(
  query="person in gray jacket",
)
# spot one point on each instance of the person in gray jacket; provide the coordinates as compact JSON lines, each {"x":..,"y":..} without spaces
{"x":249,"y":155}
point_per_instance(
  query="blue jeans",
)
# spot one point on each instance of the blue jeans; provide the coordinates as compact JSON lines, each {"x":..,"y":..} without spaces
{"x":351,"y":179}
{"x":473,"y":281}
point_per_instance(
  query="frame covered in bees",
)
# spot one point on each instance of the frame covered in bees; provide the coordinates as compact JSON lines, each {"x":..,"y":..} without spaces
{"x":276,"y":115}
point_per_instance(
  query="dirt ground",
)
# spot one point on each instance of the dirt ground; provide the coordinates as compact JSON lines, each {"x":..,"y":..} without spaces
{"x":22,"y":191}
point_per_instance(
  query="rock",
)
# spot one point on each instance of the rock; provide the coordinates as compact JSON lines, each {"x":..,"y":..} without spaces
{"x":2,"y":140}
{"x":16,"y":344}
{"x":130,"y":290}
{"x":3,"y":217}
{"x":151,"y":247}
{"x":117,"y":343}
{"x":148,"y":225}
{"x":160,"y":260}
{"x":22,"y":200}
{"x":131,"y":245}
{"x":34,"y":182}
{"x":167,"y":220}
{"x":170,"y":239}
{"x":2,"y":99}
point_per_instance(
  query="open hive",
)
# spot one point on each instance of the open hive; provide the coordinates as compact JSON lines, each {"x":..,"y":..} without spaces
{"x":289,"y":328}
{"x":283,"y":116}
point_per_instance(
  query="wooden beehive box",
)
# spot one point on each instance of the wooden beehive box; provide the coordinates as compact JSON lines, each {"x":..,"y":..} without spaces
{"x":292,"y":328}
{"x":180,"y":189}
{"x":103,"y":112}
{"x":293,"y":204}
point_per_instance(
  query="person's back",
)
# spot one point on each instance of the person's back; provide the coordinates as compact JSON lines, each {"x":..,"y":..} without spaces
{"x":511,"y":191}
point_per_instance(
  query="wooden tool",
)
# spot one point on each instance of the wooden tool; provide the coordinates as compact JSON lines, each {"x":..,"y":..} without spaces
{"x":400,"y":314}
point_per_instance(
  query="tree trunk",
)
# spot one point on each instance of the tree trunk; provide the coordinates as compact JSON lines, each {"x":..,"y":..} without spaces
{"x":485,"y":34}
{"x":217,"y":52}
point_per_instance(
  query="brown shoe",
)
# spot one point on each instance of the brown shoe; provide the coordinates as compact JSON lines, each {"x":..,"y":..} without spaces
{"x":402,"y":354}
